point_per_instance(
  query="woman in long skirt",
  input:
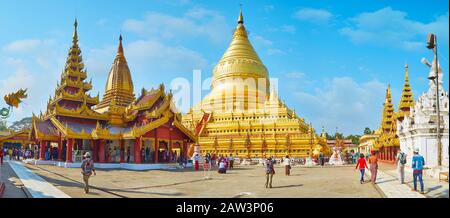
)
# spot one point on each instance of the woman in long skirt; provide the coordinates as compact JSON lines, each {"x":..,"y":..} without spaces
{"x":373,"y":161}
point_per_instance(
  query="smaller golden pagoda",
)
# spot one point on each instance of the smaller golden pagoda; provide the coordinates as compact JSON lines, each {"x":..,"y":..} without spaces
{"x":407,"y":99}
{"x":119,"y":91}
{"x":388,"y":142}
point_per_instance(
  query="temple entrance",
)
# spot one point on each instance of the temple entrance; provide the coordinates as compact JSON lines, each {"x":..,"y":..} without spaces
{"x":163,"y":152}
{"x":129,"y":151}
{"x":149,"y":148}
{"x":112,"y":150}
{"x":176,"y":150}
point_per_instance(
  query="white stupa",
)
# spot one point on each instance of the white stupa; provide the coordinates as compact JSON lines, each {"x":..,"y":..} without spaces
{"x":418,"y":129}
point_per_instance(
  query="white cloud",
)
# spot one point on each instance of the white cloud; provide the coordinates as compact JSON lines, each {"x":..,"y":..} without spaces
{"x":22,"y":45}
{"x":261,"y":41}
{"x":155,"y":54}
{"x":274,"y":51}
{"x":313,"y":15}
{"x":268,"y":8}
{"x":288,"y":28}
{"x":295,"y":75}
{"x":392,"y":28}
{"x":344,"y":103}
{"x":197,"y":22}
{"x":101,"y":22}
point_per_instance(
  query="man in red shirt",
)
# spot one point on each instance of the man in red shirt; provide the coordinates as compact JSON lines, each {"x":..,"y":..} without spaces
{"x":362,"y":164}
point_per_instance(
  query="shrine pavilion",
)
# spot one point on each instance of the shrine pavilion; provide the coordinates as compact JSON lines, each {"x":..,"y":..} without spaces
{"x":119,"y":128}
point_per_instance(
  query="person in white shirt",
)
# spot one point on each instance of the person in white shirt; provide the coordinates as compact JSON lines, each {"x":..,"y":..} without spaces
{"x":222,"y":168}
{"x":287,"y":165}
{"x":231,"y":161}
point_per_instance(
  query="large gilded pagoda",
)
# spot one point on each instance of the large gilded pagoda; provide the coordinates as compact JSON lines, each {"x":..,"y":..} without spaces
{"x":387,"y":144}
{"x":115,"y":128}
{"x":240,"y":116}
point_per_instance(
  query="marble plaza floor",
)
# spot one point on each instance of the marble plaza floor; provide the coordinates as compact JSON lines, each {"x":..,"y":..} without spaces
{"x":243,"y":181}
{"x":388,"y":182}
{"x":14,"y":187}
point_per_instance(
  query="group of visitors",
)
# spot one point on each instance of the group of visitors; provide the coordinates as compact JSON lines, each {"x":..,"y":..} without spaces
{"x":16,"y":153}
{"x":417,"y":165}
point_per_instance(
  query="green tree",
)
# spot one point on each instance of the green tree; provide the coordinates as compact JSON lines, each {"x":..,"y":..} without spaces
{"x":367,"y":131}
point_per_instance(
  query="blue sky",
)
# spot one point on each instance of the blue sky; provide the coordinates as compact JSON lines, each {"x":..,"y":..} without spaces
{"x":333,"y":60}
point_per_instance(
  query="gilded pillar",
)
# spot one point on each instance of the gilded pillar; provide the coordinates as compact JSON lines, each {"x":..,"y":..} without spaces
{"x":60,"y":142}
{"x":156,"y":146}
{"x":122,"y":151}
{"x":69,"y":150}
{"x":42,"y":145}
{"x":137,"y":150}
{"x":101,"y":151}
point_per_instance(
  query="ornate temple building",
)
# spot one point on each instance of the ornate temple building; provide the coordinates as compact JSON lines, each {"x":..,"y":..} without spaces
{"x":119,"y":128}
{"x":367,"y":142}
{"x":15,"y":139}
{"x":418,"y":127}
{"x":240,"y":116}
{"x":387,"y":143}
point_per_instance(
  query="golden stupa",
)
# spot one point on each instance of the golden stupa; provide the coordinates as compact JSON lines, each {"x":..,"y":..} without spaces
{"x":240,"y":116}
{"x":119,"y":92}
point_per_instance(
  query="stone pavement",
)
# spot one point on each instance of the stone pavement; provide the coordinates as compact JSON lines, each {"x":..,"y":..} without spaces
{"x":35,"y":185}
{"x":14,"y":187}
{"x":388,"y":183}
{"x":241,"y":182}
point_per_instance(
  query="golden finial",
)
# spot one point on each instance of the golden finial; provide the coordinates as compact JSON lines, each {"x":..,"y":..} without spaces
{"x":241,"y":17}
{"x":75,"y":34}
{"x":406,"y":73}
{"x":120,"y":48}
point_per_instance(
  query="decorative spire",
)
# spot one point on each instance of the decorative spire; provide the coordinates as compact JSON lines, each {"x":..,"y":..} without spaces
{"x":241,"y":17}
{"x":388,"y":93}
{"x":406,"y":99}
{"x":75,"y":34}
{"x":120,"y":54}
{"x":119,"y":86}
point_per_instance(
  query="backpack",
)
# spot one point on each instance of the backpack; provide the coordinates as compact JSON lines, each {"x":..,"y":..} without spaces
{"x":402,"y":158}
{"x":88,"y":167}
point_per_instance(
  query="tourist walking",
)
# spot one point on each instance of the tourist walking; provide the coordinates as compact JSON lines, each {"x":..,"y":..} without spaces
{"x":10,"y":153}
{"x":143,"y":155}
{"x":321,"y":159}
{"x":362,"y":164}
{"x":87,"y":168}
{"x":270,"y":171}
{"x":128,"y":154}
{"x":287,"y":166}
{"x":147,"y":154}
{"x":213,"y":160}
{"x":196,"y":160}
{"x":400,"y":160}
{"x":231,"y":161}
{"x":1,"y":156}
{"x":373,"y":161}
{"x":417,"y":164}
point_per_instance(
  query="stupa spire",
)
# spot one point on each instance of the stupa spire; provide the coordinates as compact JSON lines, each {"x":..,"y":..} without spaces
{"x":241,"y":17}
{"x":406,"y":100}
{"x":120,"y":53}
{"x":119,"y":89}
{"x":75,"y":34}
